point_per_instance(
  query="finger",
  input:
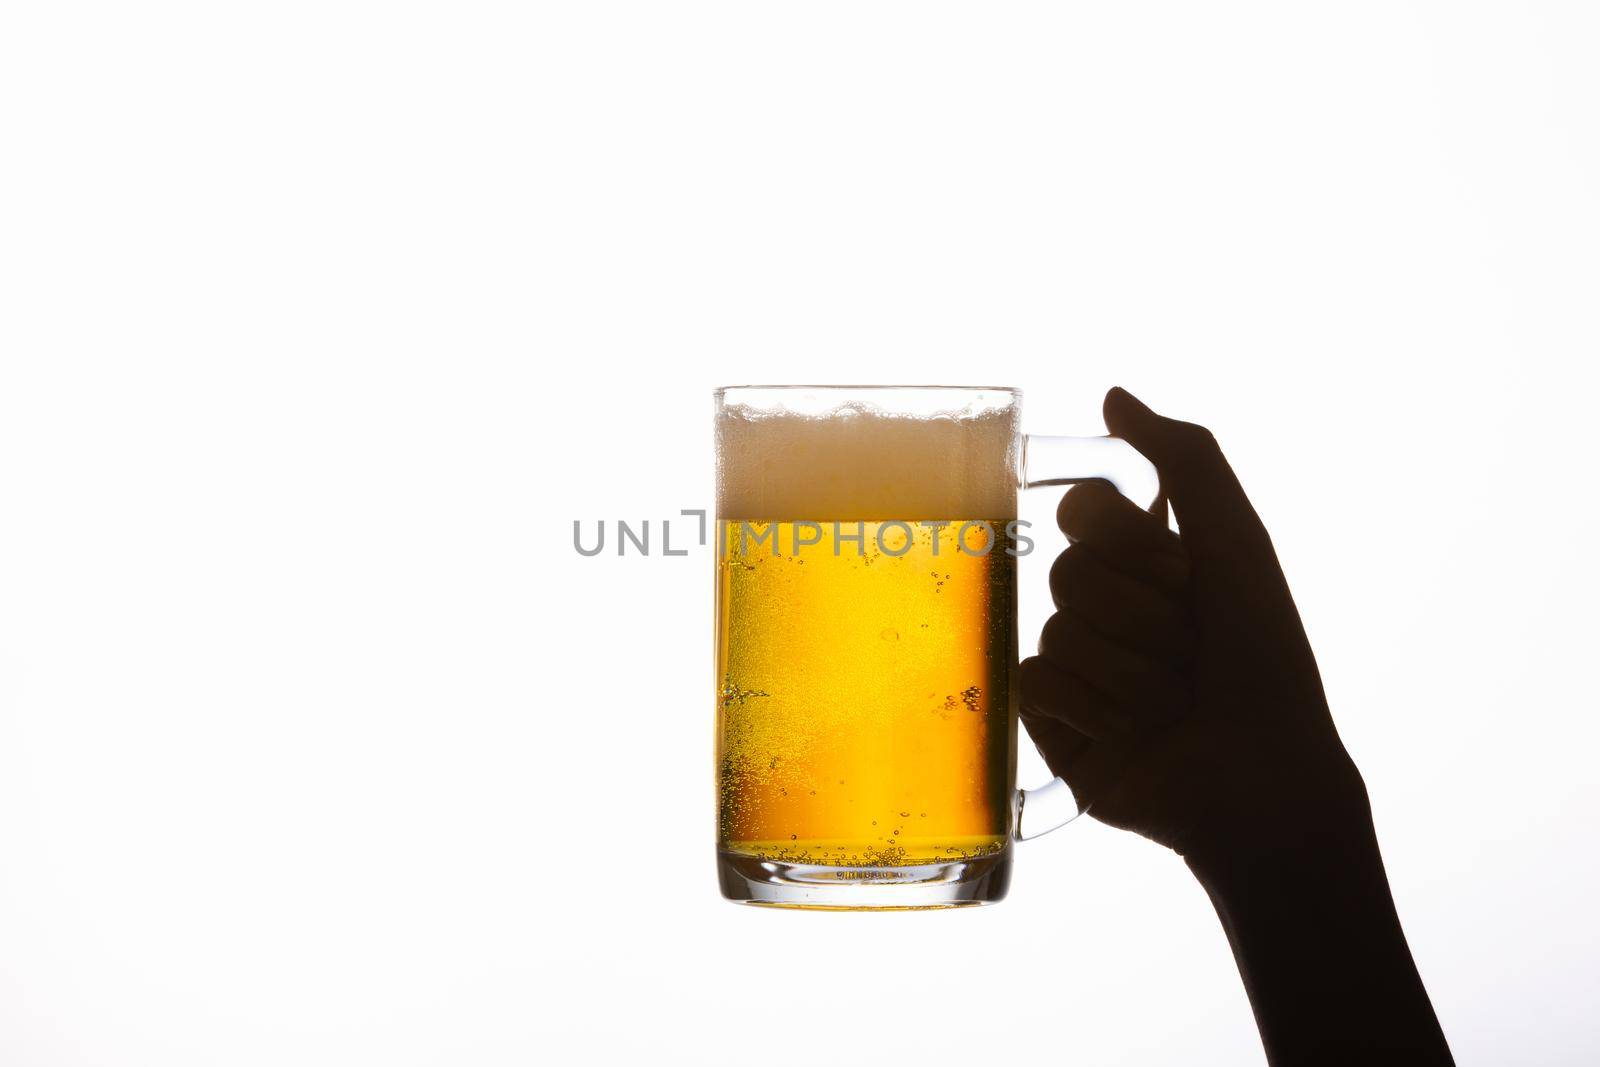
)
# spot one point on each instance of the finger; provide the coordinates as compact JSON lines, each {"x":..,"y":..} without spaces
{"x":1090,"y":768}
{"x":1237,"y":585}
{"x":1128,"y":538}
{"x":1129,"y":611}
{"x":1212,"y":509}
{"x":1049,"y":691}
{"x":1059,"y":744}
{"x":1148,"y":689}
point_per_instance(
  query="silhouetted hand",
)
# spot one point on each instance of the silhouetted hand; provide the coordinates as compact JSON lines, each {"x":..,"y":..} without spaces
{"x":1174,"y":688}
{"x":1176,"y":693}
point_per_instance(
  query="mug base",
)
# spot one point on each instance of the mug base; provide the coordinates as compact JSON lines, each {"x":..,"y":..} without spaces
{"x":772,"y":883}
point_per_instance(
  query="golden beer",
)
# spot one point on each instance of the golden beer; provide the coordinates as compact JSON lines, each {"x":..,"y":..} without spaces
{"x":865,"y":650}
{"x":864,"y":717}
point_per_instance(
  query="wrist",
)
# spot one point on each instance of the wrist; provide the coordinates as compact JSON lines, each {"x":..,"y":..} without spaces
{"x":1302,"y":811}
{"x":1313,"y":928}
{"x":1314,"y":858}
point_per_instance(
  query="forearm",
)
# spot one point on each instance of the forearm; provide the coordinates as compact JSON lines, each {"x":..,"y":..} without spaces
{"x":1318,"y":943}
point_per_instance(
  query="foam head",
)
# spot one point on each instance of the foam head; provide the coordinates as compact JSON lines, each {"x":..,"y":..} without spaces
{"x":860,"y":461}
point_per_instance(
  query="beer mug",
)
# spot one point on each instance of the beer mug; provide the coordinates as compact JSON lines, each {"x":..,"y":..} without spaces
{"x":866,"y":640}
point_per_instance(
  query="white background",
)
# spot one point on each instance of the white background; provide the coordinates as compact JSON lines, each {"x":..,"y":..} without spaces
{"x":321,"y":322}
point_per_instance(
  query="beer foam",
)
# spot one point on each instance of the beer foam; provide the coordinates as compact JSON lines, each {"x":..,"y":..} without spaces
{"x":858,"y":463}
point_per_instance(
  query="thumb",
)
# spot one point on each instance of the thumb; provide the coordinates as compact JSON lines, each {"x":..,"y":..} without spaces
{"x":1206,"y":497}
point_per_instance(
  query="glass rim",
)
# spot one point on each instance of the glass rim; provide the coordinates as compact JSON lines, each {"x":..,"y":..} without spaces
{"x":1013,"y":390}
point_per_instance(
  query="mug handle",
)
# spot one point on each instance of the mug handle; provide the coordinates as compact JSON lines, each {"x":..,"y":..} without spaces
{"x":1048,"y":461}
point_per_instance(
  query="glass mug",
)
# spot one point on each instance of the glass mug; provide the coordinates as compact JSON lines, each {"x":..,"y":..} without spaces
{"x":866,"y":640}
